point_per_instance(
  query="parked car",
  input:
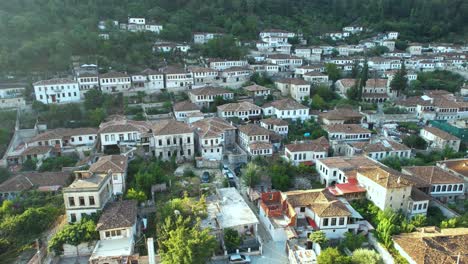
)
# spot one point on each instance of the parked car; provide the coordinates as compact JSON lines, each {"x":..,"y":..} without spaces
{"x":229,"y":175}
{"x":205,"y":178}
{"x":225,"y":169}
{"x":239,"y":258}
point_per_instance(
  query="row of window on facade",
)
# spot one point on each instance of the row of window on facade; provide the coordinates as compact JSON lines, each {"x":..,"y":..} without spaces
{"x":58,"y":95}
{"x":106,"y":80}
{"x":181,"y":152}
{"x":447,"y":188}
{"x":81,"y":201}
{"x":174,"y":141}
{"x":57,"y":87}
{"x":121,"y":137}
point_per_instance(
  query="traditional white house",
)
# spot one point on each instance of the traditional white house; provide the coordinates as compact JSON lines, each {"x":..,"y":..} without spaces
{"x":298,"y":89}
{"x":213,"y":136}
{"x":347,"y":132}
{"x":439,"y":139}
{"x":315,"y":77}
{"x":205,"y":96}
{"x":185,"y":111}
{"x":177,"y":79}
{"x":436,"y":182}
{"x":122,"y":132}
{"x":203,"y":76}
{"x":117,"y":229}
{"x":297,"y":214}
{"x":343,"y":85}
{"x":172,"y":138}
{"x":87,"y":81}
{"x":117,"y":165}
{"x":377,"y":149}
{"x":154,"y":80}
{"x":335,"y":170}
{"x":257,"y":90}
{"x":234,"y":77}
{"x":204,"y":37}
{"x":87,"y":195}
{"x":242,"y":110}
{"x":306,"y":152}
{"x":285,"y":62}
{"x":115,"y":82}
{"x":166,"y":47}
{"x":55,"y":91}
{"x":414,"y":49}
{"x":220,"y":64}
{"x":255,"y":140}
{"x":286,"y":109}
{"x":65,"y":138}
{"x":277,"y":125}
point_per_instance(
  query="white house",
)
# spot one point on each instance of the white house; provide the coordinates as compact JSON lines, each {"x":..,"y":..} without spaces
{"x":154,"y":80}
{"x":298,"y":89}
{"x":378,"y":149}
{"x":117,"y":229}
{"x":87,"y":195}
{"x":440,"y":139}
{"x":255,"y":140}
{"x":203,"y":76}
{"x":347,"y":132}
{"x":257,"y":90}
{"x":117,"y":165}
{"x":277,"y":125}
{"x":87,"y":81}
{"x":306,"y":152}
{"x":115,"y":82}
{"x":122,"y":132}
{"x":183,"y":111}
{"x":335,"y":170}
{"x":204,"y":37}
{"x":286,"y":109}
{"x":242,"y":110}
{"x":213,"y":136}
{"x":55,"y":91}
{"x":285,"y":62}
{"x":172,"y":138}
{"x":205,"y":96}
{"x":177,"y":79}
{"x":65,"y":138}
{"x":234,"y":77}
{"x":315,"y":77}
{"x":220,"y":64}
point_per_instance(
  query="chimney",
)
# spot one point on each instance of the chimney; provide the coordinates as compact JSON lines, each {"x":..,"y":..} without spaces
{"x":378,"y":176}
{"x":399,"y":180}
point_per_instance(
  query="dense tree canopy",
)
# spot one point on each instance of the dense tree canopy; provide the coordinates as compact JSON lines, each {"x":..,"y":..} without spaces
{"x":43,"y":35}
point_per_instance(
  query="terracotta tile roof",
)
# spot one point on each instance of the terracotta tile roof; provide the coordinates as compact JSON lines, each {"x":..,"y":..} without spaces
{"x":260,"y":145}
{"x":236,"y":68}
{"x":440,"y":133}
{"x":432,"y":175}
{"x":121,"y":214}
{"x":123,"y":125}
{"x":285,"y":104}
{"x":447,"y":246}
{"x":170,"y":127}
{"x":376,"y":83}
{"x":211,"y":127}
{"x":36,"y":150}
{"x":32,"y":180}
{"x":241,"y":106}
{"x":255,"y":87}
{"x":151,"y":72}
{"x":173,"y":70}
{"x":113,"y":74}
{"x":385,"y":177}
{"x":417,"y":195}
{"x":56,"y":81}
{"x":320,"y":201}
{"x":314,"y":73}
{"x":347,"y":83}
{"x":275,"y":121}
{"x":64,"y":132}
{"x":293,"y":81}
{"x":321,"y":144}
{"x":185,"y":106}
{"x":115,"y":163}
{"x":346,"y":128}
{"x":413,"y":101}
{"x":210,"y":90}
{"x":253,"y":130}
{"x":459,"y":166}
{"x":380,"y":146}
{"x":341,"y":114}
{"x":200,"y":69}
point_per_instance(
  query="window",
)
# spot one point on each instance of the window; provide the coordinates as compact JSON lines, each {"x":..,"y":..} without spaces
{"x":81,"y":199}
{"x":91,"y":200}
{"x":341,"y":221}
{"x":302,"y":210}
{"x":333,"y":221}
{"x":160,"y":142}
{"x":72,"y":218}
{"x":325,"y":222}
{"x":71,"y":201}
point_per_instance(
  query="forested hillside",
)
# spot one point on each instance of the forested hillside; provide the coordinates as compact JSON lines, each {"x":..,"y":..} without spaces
{"x":43,"y":34}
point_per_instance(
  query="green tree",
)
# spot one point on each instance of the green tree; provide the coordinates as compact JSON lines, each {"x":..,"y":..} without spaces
{"x":57,"y":163}
{"x":96,"y":116}
{"x":364,"y":73}
{"x":399,"y":82}
{"x":333,"y":72}
{"x":318,"y":103}
{"x":319,"y":237}
{"x":251,"y":175}
{"x":332,"y":256}
{"x":133,"y":194}
{"x":415,"y":141}
{"x":74,"y":234}
{"x":29,"y":165}
{"x":223,"y":47}
{"x":232,"y":240}
{"x":366,"y":256}
{"x":280,"y":176}
{"x":185,"y":243}
{"x":352,"y":241}
{"x":93,"y":99}
{"x":419,"y":220}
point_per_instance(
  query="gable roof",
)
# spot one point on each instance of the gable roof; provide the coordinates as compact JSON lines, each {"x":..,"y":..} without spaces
{"x":115,"y":163}
{"x":255,"y":87}
{"x":321,"y":144}
{"x":432,"y":175}
{"x":275,"y":121}
{"x":59,"y":133}
{"x":345,"y":128}
{"x":32,"y":180}
{"x":211,"y":127}
{"x":119,"y":214}
{"x":320,"y":201}
{"x":209,"y":90}
{"x":253,"y":130}
{"x":293,"y":81}
{"x":285,"y":104}
{"x":170,"y":127}
{"x":440,"y":133}
{"x":385,"y":177}
{"x":185,"y":106}
{"x":240,"y":106}
{"x":121,"y":124}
